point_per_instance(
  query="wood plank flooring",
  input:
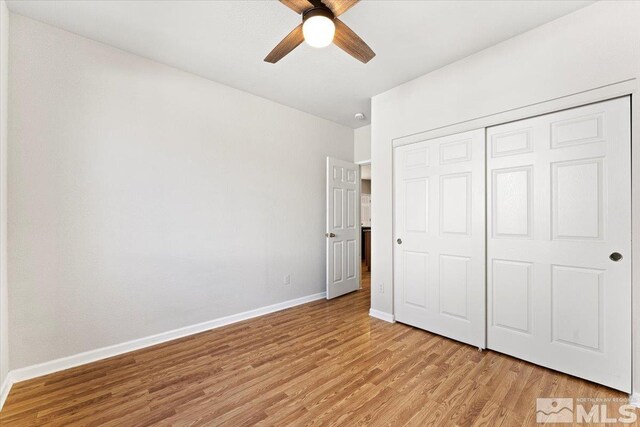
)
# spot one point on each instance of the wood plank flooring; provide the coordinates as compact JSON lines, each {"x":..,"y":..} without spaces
{"x":323,"y":363}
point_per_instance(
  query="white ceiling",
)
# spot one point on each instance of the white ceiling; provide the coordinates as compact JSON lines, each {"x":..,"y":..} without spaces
{"x":226,"y":41}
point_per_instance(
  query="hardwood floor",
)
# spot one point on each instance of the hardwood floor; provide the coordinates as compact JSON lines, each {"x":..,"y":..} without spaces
{"x":323,"y":363}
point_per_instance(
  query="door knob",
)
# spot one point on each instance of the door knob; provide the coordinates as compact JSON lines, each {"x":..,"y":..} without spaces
{"x":399,"y":241}
{"x":615,"y":257}
{"x":330,"y":234}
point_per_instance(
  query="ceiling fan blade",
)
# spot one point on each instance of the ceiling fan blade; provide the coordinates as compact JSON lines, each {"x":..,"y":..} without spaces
{"x":298,"y":6}
{"x":349,"y":41}
{"x":290,"y":42}
{"x":338,"y":7}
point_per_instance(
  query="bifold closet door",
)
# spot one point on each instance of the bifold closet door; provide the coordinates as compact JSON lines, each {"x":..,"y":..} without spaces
{"x":439,"y":227}
{"x":559,"y":241}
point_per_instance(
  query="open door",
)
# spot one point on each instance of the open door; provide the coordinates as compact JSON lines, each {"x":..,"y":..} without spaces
{"x":343,"y":226}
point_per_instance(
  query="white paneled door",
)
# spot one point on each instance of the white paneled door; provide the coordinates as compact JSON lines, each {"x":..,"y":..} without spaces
{"x":559,"y":241}
{"x":439,"y":227}
{"x":343,"y":215}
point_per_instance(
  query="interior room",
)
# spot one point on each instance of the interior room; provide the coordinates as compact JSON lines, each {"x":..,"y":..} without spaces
{"x":319,"y":212}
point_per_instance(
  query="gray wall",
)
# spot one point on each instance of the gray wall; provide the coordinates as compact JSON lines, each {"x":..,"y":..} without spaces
{"x":144,"y":199}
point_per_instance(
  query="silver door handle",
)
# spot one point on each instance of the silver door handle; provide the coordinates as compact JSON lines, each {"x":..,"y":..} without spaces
{"x":615,"y":257}
{"x":330,"y":234}
{"x":399,"y":241}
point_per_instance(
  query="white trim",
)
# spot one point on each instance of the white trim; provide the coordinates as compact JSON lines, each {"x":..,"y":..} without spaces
{"x":382,"y":315}
{"x":56,"y":365}
{"x":604,"y":93}
{"x":634,"y":399}
{"x":5,"y":388}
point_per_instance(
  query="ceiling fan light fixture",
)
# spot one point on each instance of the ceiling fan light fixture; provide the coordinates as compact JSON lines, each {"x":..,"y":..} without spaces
{"x":318,"y":27}
{"x":320,"y":23}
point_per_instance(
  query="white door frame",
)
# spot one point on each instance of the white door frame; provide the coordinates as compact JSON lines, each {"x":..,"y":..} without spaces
{"x":629,"y":87}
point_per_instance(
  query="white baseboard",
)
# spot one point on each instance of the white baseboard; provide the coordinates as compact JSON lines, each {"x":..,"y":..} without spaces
{"x":634,"y":399}
{"x":382,"y":315}
{"x":5,"y":387}
{"x":61,"y":364}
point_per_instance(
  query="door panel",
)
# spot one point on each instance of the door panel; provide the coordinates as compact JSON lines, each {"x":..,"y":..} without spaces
{"x":455,"y":215}
{"x":416,"y":265}
{"x":512,"y":202}
{"x":439,"y":271}
{"x":576,"y":300}
{"x":454,"y":281}
{"x":559,"y":198}
{"x":416,"y":198}
{"x":577,"y":207}
{"x":343,"y":211}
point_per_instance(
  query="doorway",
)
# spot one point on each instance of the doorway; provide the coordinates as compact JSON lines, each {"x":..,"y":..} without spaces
{"x":365,"y":225}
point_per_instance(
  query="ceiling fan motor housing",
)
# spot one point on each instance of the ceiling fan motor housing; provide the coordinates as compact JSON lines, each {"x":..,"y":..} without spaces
{"x":317,"y":11}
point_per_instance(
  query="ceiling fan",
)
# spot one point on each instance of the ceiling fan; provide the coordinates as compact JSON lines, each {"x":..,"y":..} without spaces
{"x":321,"y":26}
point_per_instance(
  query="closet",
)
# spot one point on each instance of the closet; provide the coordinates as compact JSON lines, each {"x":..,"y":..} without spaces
{"x":546,"y":276}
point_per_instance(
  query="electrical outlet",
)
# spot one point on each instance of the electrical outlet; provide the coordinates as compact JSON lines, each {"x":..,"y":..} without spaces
{"x":381,"y":288}
{"x":287,"y":279}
